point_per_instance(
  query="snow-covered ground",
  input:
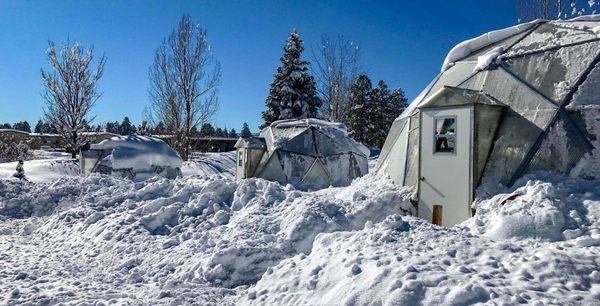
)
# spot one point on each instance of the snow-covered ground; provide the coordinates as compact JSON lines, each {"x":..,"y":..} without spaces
{"x":211,"y":239}
{"x":48,"y":166}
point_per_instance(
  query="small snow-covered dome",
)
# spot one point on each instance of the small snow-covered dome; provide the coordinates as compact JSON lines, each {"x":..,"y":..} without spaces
{"x":311,"y":153}
{"x":136,"y":157}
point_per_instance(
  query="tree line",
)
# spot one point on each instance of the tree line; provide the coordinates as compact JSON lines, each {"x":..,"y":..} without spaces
{"x":125,"y":127}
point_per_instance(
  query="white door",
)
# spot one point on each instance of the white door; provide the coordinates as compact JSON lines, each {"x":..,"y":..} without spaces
{"x":445,"y":150}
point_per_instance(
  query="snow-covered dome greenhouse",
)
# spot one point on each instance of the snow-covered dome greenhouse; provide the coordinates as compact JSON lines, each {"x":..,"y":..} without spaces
{"x":134,"y":157}
{"x":307,"y":153}
{"x":506,"y":103}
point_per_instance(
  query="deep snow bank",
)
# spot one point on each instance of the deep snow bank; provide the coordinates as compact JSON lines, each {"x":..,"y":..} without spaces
{"x":543,"y":207}
{"x":539,"y":247}
{"x":163,"y":241}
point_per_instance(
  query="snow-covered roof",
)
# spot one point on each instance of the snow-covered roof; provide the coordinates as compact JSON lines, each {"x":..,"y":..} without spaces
{"x":139,"y":152}
{"x":251,"y":143}
{"x":295,"y":123}
{"x":469,"y":46}
{"x":326,"y":138}
{"x":13,"y":131}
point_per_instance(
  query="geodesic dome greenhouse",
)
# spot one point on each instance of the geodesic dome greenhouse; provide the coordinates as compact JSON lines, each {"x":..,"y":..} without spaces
{"x":547,"y":77}
{"x":134,"y":157}
{"x":307,"y":153}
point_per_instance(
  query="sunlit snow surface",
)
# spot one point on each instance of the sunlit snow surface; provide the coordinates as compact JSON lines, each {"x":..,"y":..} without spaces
{"x":210,"y":239}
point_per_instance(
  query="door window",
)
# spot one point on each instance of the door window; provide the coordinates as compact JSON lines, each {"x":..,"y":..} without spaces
{"x":240,"y":157}
{"x":445,"y":135}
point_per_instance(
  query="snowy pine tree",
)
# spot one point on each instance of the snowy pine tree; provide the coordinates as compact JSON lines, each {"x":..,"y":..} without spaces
{"x":359,"y":112}
{"x":245,"y":131}
{"x":293,"y":92}
{"x":373,"y":110}
{"x":39,"y":127}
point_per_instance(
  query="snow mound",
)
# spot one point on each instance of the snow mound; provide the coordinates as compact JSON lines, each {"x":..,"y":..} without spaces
{"x":170,"y":241}
{"x":138,"y":153}
{"x":544,"y":208}
{"x":543,"y":250}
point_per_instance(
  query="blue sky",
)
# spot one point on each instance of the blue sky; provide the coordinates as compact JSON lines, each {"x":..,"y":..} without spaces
{"x":403,"y":43}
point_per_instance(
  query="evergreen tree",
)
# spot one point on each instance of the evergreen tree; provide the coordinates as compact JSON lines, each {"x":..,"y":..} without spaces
{"x":39,"y":127}
{"x":126,"y":128}
{"x":246,"y":131}
{"x":386,"y":107}
{"x":293,"y":91}
{"x":218,"y":132}
{"x":6,"y":126}
{"x":233,"y":133}
{"x":360,"y":109}
{"x":113,"y":127}
{"x":373,"y":110}
{"x":22,"y":126}
{"x":207,"y":130}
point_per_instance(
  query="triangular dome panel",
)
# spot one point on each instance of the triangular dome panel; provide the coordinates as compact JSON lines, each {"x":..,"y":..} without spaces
{"x":555,"y":73}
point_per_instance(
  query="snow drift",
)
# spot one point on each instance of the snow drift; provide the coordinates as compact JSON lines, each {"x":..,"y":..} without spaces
{"x":407,"y":261}
{"x":168,"y":241}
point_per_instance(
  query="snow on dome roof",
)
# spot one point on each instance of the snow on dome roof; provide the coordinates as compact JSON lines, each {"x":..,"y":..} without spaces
{"x":294,"y":123}
{"x":469,"y":46}
{"x":139,"y":152}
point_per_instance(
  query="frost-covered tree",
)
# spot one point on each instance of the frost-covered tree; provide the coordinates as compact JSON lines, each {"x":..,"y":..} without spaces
{"x":293,"y":92}
{"x":245,"y":131}
{"x":359,"y":109}
{"x":70,"y":91}
{"x":12,"y":149}
{"x":126,"y":128}
{"x":336,"y":65}
{"x":184,"y":80}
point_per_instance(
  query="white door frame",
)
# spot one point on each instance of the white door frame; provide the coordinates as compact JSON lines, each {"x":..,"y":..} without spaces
{"x":452,"y":211}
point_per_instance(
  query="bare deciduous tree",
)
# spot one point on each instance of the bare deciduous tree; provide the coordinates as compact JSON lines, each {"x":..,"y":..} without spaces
{"x":336,"y":64}
{"x":184,"y":79}
{"x":70,"y":91}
